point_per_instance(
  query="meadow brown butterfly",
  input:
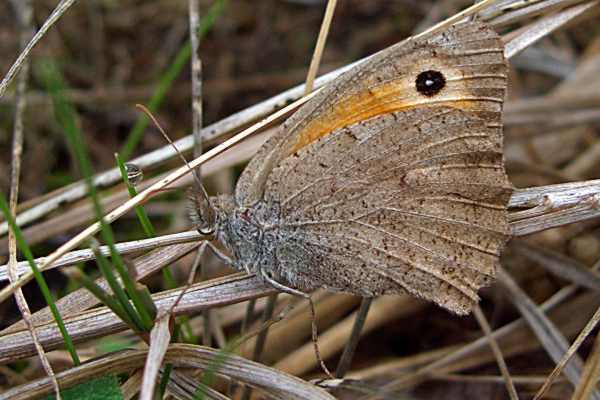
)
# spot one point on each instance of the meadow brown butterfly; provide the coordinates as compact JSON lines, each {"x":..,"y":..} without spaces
{"x":390,"y":180}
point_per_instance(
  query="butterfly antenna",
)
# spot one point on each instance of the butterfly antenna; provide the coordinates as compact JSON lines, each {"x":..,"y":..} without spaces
{"x":199,"y":184}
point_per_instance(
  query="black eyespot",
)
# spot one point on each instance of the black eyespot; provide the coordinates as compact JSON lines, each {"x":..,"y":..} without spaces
{"x":429,"y":83}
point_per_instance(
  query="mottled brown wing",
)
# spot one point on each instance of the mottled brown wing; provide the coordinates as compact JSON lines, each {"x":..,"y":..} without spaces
{"x":389,"y":189}
{"x":469,"y":54}
{"x":413,"y":201}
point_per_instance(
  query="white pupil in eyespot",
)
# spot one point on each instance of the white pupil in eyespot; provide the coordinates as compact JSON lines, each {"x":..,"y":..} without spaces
{"x":429,"y":82}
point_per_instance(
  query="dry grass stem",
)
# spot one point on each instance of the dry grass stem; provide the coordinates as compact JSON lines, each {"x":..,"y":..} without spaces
{"x":264,"y":108}
{"x":24,"y":14}
{"x":543,"y":307}
{"x":148,"y":193}
{"x":159,"y":342}
{"x":485,"y":326}
{"x":315,"y":62}
{"x":549,"y":335}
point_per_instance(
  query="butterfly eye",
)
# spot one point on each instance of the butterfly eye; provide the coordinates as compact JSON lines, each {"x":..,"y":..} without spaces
{"x":430,"y":83}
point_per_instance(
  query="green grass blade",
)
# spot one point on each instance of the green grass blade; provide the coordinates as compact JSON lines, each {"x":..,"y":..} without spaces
{"x":39,"y":279}
{"x":66,"y":116}
{"x":105,"y":298}
{"x":146,"y":298}
{"x":166,"y":80}
{"x":144,"y":220}
{"x":167,"y":274}
{"x":209,"y":374}
{"x":116,"y":288}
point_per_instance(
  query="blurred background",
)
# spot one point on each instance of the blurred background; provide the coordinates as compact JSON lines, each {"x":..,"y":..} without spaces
{"x":113,"y":54}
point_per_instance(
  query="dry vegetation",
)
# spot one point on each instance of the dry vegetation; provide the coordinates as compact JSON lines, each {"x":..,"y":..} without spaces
{"x":113,"y":54}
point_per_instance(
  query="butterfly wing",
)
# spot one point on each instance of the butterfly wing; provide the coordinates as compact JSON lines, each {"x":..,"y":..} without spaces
{"x":392,"y":178}
{"x":470,"y":54}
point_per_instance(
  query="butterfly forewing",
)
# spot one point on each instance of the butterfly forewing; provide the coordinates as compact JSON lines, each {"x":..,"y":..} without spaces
{"x":392,"y":179}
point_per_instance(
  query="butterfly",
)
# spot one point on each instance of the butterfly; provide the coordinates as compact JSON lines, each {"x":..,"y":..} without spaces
{"x":390,"y":180}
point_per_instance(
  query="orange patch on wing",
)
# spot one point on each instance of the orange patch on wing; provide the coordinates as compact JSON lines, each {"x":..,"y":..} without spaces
{"x":379,"y":100}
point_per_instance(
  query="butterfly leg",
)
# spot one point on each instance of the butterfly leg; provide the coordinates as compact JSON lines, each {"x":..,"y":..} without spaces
{"x":224,"y":258}
{"x":268,"y":278}
{"x":350,"y":347}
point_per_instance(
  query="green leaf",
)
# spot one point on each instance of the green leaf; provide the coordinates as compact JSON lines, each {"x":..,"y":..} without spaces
{"x":103,"y":388}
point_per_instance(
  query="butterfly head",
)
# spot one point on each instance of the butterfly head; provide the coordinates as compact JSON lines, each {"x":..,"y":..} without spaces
{"x":206,"y":213}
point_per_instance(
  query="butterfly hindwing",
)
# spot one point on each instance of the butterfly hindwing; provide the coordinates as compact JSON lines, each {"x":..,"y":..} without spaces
{"x":419,"y":202}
